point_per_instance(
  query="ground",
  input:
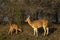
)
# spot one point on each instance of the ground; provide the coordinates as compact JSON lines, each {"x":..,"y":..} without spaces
{"x":27,"y":34}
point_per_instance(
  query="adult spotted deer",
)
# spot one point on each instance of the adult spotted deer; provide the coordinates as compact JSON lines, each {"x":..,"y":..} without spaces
{"x":38,"y":24}
{"x":12,"y":27}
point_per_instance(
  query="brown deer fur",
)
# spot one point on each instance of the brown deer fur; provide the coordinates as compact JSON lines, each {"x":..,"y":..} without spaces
{"x":38,"y":24}
{"x":12,"y":27}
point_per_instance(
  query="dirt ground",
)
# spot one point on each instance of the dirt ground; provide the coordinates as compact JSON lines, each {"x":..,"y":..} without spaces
{"x":27,"y":34}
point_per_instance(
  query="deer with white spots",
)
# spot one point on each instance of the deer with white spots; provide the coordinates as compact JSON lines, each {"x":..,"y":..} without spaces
{"x":38,"y":24}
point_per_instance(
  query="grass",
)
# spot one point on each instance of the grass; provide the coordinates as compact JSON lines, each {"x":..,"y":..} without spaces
{"x":27,"y":33}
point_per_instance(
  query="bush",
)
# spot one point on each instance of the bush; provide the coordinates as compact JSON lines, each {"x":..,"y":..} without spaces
{"x":19,"y":17}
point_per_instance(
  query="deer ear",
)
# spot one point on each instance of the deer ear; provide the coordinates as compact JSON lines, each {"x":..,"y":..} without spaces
{"x":29,"y":16}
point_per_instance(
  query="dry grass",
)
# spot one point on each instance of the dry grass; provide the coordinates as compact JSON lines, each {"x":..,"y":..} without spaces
{"x":27,"y":33}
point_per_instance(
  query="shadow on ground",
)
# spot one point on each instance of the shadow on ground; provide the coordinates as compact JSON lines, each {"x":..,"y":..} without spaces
{"x":51,"y":30}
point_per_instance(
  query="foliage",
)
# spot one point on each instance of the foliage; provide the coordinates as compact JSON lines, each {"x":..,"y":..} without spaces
{"x":15,"y":7}
{"x":18,"y":17}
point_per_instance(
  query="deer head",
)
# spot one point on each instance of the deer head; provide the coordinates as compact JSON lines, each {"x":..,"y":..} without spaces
{"x":27,"y":19}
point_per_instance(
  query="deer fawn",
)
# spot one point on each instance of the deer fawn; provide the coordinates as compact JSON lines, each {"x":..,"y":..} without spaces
{"x":12,"y":27}
{"x":38,"y":24}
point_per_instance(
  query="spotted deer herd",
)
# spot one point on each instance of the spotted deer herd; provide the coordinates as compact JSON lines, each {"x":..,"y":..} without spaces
{"x":34,"y":24}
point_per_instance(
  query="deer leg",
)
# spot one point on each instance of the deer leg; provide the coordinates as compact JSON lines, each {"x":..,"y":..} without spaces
{"x":9,"y":31}
{"x":16,"y":31}
{"x":34,"y":31}
{"x":47,"y":29}
{"x":44,"y":31}
{"x":20,"y":30}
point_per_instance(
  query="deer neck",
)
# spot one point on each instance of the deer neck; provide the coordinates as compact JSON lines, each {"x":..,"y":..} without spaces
{"x":29,"y":22}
